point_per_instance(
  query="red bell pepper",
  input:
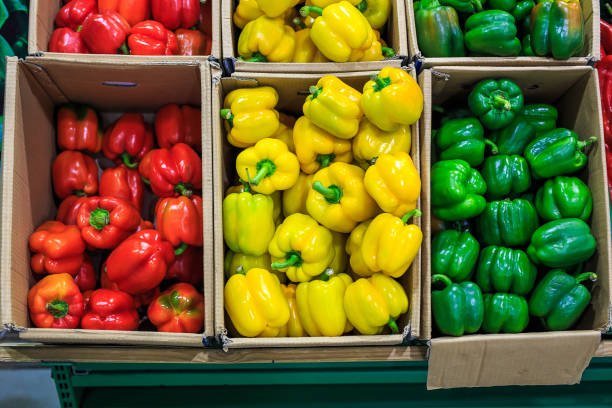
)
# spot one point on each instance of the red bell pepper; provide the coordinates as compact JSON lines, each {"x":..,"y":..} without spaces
{"x":188,"y":266}
{"x":69,"y":209}
{"x":604,"y":70}
{"x":74,"y":173}
{"x":175,"y":171}
{"x":128,"y":140}
{"x":144,"y":168}
{"x":134,"y":11}
{"x":145,"y":224}
{"x":85,"y":278}
{"x":105,"y":32}
{"x":193,"y":42}
{"x":57,"y":248}
{"x":67,"y":41}
{"x":56,"y":302}
{"x":123,"y":182}
{"x":606,"y":36}
{"x":110,"y":310}
{"x":180,"y":309}
{"x":77,"y":129}
{"x":609,"y":168}
{"x":106,"y":221}
{"x":140,"y":299}
{"x":140,"y":262}
{"x":205,"y":22}
{"x":176,"y":13}
{"x":179,"y":221}
{"x":74,"y":13}
{"x":152,"y":38}
{"x":86,"y":296}
{"x":179,"y":124}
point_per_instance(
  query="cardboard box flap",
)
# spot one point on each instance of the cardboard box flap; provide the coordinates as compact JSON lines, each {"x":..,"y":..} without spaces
{"x":521,"y":359}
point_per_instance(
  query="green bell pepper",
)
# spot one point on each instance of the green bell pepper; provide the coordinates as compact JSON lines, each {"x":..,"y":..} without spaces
{"x":505,"y":312}
{"x":560,"y":299}
{"x":507,"y":223}
{"x":506,"y":176}
{"x":541,"y":116}
{"x":564,"y":197}
{"x":458,"y":307}
{"x":465,"y":6}
{"x":513,"y":138}
{"x":556,"y":152}
{"x":456,"y":190}
{"x":562,"y":243}
{"x":502,"y":269}
{"x":438,"y":31}
{"x":496,"y":102}
{"x":557,"y":28}
{"x":454,"y":254}
{"x":518,"y":9}
{"x":463,"y":139}
{"x":527,"y":50}
{"x":492,"y":32}
{"x":454,"y":113}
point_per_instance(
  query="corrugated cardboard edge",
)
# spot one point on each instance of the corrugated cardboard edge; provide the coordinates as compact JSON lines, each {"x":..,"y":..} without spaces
{"x":132,"y":338}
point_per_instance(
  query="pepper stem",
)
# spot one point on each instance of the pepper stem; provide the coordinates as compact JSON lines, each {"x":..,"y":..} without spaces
{"x":78,"y":30}
{"x":325,"y":159}
{"x":586,"y":276}
{"x":381,"y":83}
{"x":584,"y":144}
{"x":372,"y":161}
{"x":608,"y":7}
{"x":332,"y":194}
{"x":184,"y":189}
{"x":327,"y":273}
{"x":57,"y":308}
{"x":499,"y":102}
{"x":79,"y":193}
{"x":99,"y":218}
{"x":477,"y":5}
{"x":292,"y":258}
{"x":410,"y":214}
{"x":393,"y":326}
{"x":124,"y":49}
{"x":145,"y":180}
{"x":306,"y":10}
{"x":314,"y":91}
{"x":494,"y":148}
{"x":245,"y":186}
{"x":257,"y":57}
{"x":228,"y":115}
{"x":438,"y":109}
{"x":240,"y":270}
{"x":265,"y":168}
{"x":388,"y":52}
{"x":438,"y":278}
{"x":298,"y":22}
{"x":180,"y":249}
{"x":363,"y":6}
{"x":127,"y":160}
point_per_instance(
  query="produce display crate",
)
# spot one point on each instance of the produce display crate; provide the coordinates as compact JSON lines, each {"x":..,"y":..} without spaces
{"x":590,"y":53}
{"x":539,"y":357}
{"x":33,"y":90}
{"x":395,"y":35}
{"x":292,"y":90}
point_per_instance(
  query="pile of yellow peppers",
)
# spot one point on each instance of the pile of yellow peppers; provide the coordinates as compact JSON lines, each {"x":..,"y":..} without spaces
{"x":321,"y":31}
{"x":318,"y":229}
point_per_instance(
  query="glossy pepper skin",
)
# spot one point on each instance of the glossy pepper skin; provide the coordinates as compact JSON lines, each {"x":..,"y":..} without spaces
{"x":140,"y":299}
{"x":245,"y":188}
{"x":179,"y":220}
{"x":519,"y":9}
{"x":77,"y":129}
{"x":392,"y":99}
{"x":56,"y":302}
{"x":128,"y":140}
{"x":255,"y":303}
{"x":394,"y":183}
{"x":506,"y":176}
{"x":353,"y":249}
{"x":124,"y":183}
{"x":560,"y":299}
{"x":373,"y":303}
{"x":515,"y":137}
{"x":541,"y":116}
{"x":105,"y":33}
{"x":338,"y":198}
{"x":193,"y":42}
{"x":321,"y":305}
{"x":508,"y":223}
{"x":176,"y":13}
{"x":275,"y":8}
{"x":564,"y":197}
{"x":140,"y":262}
{"x":74,"y":13}
{"x":85,"y":278}
{"x":562,"y":243}
{"x":454,"y":254}
{"x":438,"y":30}
{"x":248,"y":223}
{"x":457,"y":308}
{"x":245,"y":11}
{"x":74,"y":173}
{"x":180,"y":309}
{"x":315,"y":148}
{"x":250,"y":115}
{"x":378,"y":50}
{"x":465,"y":6}
{"x":496,"y":102}
{"x":152,"y":38}
{"x":110,"y":310}
{"x":492,"y":32}
{"x":507,"y":270}
{"x":556,"y":153}
{"x":456,"y":190}
{"x":187,"y":267}
{"x":67,"y":41}
{"x":305,"y":49}
{"x":285,"y":131}
{"x":375,"y":11}
{"x":294,"y":198}
{"x":463,"y":139}
{"x":106,"y":221}
{"x":370,"y":142}
{"x":266,"y":39}
{"x":235,"y":262}
{"x":134,"y":11}
{"x":68,"y":209}
{"x":301,"y":248}
{"x":505,"y":312}
{"x":557,"y":28}
{"x":175,"y":171}
{"x":334,"y":106}
{"x":294,"y":327}
{"x":56,"y":248}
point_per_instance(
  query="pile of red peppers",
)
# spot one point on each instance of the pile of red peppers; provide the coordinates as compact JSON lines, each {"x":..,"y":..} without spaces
{"x":136,"y":27}
{"x":604,"y":69}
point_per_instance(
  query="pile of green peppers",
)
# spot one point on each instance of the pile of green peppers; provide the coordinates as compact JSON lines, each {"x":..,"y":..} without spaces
{"x":502,"y":28}
{"x":512,"y":216}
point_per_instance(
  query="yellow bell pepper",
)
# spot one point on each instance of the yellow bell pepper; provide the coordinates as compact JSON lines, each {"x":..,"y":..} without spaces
{"x":285,"y":131}
{"x":394,"y":183}
{"x":245,"y":188}
{"x":246,"y":10}
{"x":268,"y":166}
{"x":305,"y":49}
{"x":375,"y":11}
{"x":275,"y":8}
{"x":338,"y":199}
{"x":325,"y":3}
{"x":301,"y":248}
{"x":391,"y":99}
{"x":334,"y":106}
{"x":378,"y":51}
{"x":373,"y":303}
{"x":353,"y":249}
{"x":338,"y":265}
{"x":267,"y":39}
{"x":250,"y":115}
{"x":321,"y":305}
{"x":248,"y":223}
{"x":390,"y":244}
{"x":340,"y":30}
{"x":255,"y":303}
{"x":294,"y":198}
{"x":294,"y":327}
{"x":371,"y":142}
{"x":315,"y":148}
{"x":235,"y":262}
{"x":301,"y":23}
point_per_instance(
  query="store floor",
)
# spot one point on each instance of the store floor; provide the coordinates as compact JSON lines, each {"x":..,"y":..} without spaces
{"x":27,"y":388}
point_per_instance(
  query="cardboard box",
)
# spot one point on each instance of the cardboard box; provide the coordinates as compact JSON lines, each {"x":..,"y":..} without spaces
{"x":42,"y":25}
{"x":590,"y":53}
{"x":292,"y":89}
{"x":529,"y":358}
{"x":32,"y":94}
{"x":395,"y":36}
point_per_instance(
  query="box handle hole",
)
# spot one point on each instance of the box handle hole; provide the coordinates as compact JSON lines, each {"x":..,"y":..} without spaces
{"x":120,"y":84}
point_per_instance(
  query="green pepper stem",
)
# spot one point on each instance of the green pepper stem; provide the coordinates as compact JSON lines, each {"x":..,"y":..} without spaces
{"x":477,"y":5}
{"x":99,"y":218}
{"x":306,"y":10}
{"x":608,"y":7}
{"x":327,"y":273}
{"x":437,"y":278}
{"x":257,"y":57}
{"x":494,"y":148}
{"x":372,"y":161}
{"x":127,"y":160}
{"x":245,"y":186}
{"x":499,"y":102}
{"x":438,"y":109}
{"x":410,"y":214}
{"x":381,"y":83}
{"x":363,"y":6}
{"x":180,"y":249}
{"x":184,"y":189}
{"x":586,"y":143}
{"x":124,"y":49}
{"x":325,"y":159}
{"x":388,"y":52}
{"x":314,"y":91}
{"x":393,"y":326}
{"x":79,"y":193}
{"x":228,"y":115}
{"x":240,"y":270}
{"x":332,"y":194}
{"x":265,"y":168}
{"x":78,"y":30}
{"x":298,"y":22}
{"x":586,"y":276}
{"x":203,"y":1}
{"x":293,"y":258}
{"x":145,"y":180}
{"x":57,"y":308}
